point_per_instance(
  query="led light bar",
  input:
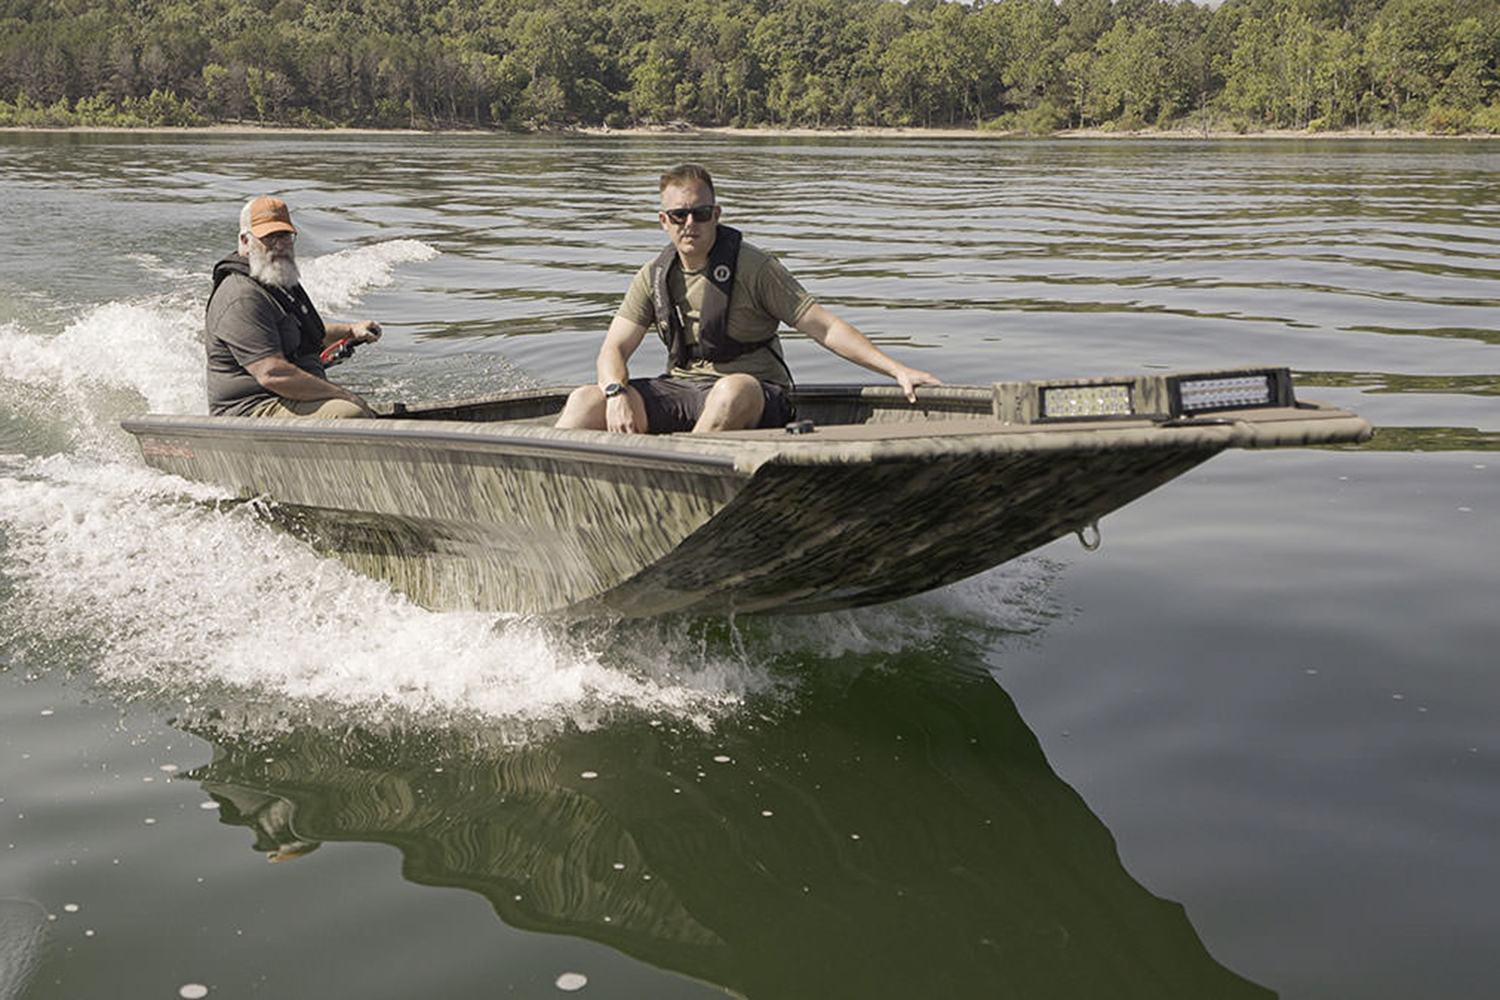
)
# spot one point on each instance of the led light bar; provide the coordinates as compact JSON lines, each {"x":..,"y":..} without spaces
{"x":1165,"y":397}
{"x":1226,"y":393}
{"x":1074,"y":402}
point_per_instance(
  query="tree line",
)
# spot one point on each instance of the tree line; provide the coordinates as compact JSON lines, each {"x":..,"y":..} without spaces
{"x":1028,"y":65}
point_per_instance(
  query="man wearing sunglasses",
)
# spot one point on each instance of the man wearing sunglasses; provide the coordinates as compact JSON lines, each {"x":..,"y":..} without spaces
{"x":717,"y":302}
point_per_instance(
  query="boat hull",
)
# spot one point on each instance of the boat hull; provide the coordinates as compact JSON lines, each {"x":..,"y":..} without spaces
{"x":857,"y":535}
{"x":484,"y":506}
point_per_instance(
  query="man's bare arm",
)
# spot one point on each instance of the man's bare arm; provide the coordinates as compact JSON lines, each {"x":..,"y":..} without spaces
{"x":623,"y":412}
{"x":841,"y":337}
{"x":277,"y":374}
{"x":620,"y":342}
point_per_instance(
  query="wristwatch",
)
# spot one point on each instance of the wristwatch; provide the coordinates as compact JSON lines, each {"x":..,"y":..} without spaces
{"x":613,"y":389}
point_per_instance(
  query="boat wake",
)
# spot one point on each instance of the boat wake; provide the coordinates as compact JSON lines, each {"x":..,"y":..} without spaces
{"x":160,"y":589}
{"x":338,"y":281}
{"x":68,"y":390}
{"x":156,"y":589}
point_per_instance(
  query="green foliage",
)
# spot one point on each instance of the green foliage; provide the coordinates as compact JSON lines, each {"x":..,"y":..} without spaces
{"x":159,"y":109}
{"x":1022,"y":65}
{"x":1487,"y":119}
{"x":1044,"y":119}
{"x":1444,"y":120}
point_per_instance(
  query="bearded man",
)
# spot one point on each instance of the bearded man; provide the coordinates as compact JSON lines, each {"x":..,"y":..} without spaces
{"x":264,"y":335}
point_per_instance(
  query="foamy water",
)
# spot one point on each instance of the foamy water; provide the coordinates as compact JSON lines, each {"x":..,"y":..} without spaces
{"x":190,"y":600}
{"x":338,"y":281}
{"x":146,"y":355}
{"x":185,"y":595}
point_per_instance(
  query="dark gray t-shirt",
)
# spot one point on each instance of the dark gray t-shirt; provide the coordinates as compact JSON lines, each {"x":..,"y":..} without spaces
{"x":246,"y":324}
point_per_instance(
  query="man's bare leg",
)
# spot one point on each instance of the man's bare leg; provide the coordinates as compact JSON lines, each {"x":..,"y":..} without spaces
{"x":587,"y":409}
{"x":584,"y":409}
{"x":734,"y":403}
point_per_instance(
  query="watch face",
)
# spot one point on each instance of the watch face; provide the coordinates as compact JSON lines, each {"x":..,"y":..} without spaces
{"x":613,"y":389}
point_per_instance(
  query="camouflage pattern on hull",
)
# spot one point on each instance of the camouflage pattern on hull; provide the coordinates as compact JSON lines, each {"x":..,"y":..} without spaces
{"x":865,"y":534}
{"x":481,"y":504}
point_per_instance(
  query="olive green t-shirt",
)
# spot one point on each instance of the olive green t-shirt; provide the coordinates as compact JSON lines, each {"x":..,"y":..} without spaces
{"x":765,"y":295}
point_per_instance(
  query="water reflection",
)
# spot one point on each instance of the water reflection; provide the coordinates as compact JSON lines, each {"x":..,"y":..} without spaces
{"x":1391,"y":382}
{"x":23,"y":936}
{"x":898,"y":833}
{"x":1431,"y":439}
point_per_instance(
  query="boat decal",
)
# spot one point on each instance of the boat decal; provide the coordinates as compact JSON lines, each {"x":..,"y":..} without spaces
{"x":157,"y":447}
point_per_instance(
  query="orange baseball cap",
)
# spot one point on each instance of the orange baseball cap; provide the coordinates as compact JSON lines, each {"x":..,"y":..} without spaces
{"x":270,"y":215}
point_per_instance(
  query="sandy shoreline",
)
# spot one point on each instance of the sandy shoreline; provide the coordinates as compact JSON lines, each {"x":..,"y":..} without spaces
{"x":862,"y":132}
{"x":883,"y":132}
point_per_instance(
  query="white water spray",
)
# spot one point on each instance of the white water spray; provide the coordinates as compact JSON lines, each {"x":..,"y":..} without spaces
{"x":162,"y":589}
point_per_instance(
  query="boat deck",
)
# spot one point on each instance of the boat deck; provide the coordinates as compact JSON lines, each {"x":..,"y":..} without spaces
{"x":977,"y":426}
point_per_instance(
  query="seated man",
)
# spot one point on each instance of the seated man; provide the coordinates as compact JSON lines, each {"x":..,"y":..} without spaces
{"x":264,"y":336}
{"x":717,"y":303}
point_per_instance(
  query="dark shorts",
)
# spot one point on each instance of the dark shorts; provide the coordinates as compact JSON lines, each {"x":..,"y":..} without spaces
{"x":674,"y":404}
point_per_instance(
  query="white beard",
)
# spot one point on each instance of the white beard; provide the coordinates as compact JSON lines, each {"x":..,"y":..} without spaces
{"x":278,"y":271}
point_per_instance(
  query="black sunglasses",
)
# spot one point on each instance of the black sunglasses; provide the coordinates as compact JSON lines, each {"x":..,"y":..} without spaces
{"x":700,"y":213}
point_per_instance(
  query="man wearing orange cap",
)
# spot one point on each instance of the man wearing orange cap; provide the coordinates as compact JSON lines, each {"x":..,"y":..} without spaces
{"x":264,"y":335}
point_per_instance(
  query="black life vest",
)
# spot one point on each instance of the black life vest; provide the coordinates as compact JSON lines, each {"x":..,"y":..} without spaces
{"x":714,"y":342}
{"x":293,"y":301}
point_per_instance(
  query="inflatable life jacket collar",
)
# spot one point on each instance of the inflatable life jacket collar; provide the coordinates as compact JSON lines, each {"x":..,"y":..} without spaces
{"x":714,"y":342}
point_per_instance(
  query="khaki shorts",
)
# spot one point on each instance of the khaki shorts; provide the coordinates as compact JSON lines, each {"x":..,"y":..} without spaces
{"x":308,"y":408}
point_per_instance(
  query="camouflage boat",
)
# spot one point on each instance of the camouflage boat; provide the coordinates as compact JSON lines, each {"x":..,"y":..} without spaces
{"x":482,"y":504}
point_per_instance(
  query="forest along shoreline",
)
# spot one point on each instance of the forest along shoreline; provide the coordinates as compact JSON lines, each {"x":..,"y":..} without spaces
{"x":1031,"y":66}
{"x":770,"y":132}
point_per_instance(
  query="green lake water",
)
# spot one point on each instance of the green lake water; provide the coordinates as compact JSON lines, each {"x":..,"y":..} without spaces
{"x":1246,"y":748}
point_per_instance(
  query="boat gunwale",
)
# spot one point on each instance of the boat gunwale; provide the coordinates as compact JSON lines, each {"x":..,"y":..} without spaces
{"x":949,"y":421}
{"x":413,"y":434}
{"x":742,"y":452}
